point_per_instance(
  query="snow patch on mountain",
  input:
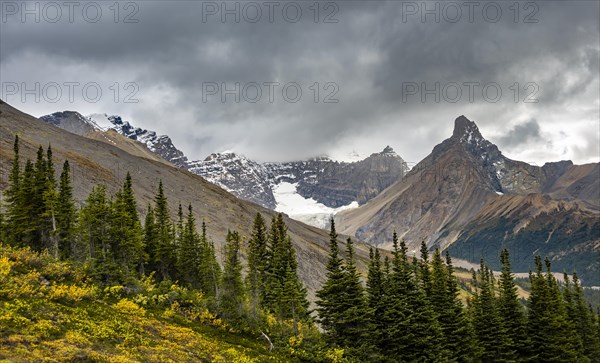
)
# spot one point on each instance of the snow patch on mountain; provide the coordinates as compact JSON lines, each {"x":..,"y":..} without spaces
{"x":306,"y":210}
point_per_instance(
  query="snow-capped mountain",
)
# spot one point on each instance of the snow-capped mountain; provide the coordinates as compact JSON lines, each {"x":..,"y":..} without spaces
{"x":310,"y":190}
{"x":160,"y":145}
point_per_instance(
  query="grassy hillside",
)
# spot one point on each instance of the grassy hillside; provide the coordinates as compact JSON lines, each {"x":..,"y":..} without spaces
{"x":51,"y":311}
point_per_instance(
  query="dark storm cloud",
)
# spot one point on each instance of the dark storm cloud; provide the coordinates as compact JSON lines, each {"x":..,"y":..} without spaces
{"x":371,"y":54}
{"x":521,"y":134}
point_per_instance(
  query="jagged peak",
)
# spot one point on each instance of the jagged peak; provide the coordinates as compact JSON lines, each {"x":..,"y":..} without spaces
{"x":463,"y":128}
{"x":388,"y":150}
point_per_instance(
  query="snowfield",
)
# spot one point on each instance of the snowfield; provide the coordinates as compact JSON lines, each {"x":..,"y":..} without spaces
{"x":302,"y":209}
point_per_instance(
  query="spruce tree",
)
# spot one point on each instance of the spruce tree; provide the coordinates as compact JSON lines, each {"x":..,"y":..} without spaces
{"x":24,"y":220}
{"x":284,"y":294}
{"x":94,"y":227}
{"x":457,"y":332}
{"x":490,"y":334}
{"x":66,"y":215}
{"x":164,"y":252}
{"x":41,"y":224}
{"x":584,"y":324}
{"x":550,"y":333}
{"x":375,"y":293}
{"x":231,"y":292}
{"x":150,"y":242}
{"x":331,"y":295}
{"x":209,"y":270}
{"x":126,"y":230}
{"x":12,"y":193}
{"x":189,"y":252}
{"x":257,"y":261}
{"x":424,"y":272}
{"x":354,"y":314}
{"x":510,"y":309}
{"x":414,"y":333}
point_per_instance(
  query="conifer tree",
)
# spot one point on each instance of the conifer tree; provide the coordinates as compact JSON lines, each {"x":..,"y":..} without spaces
{"x":330,"y":297}
{"x":126,"y":230}
{"x":150,"y":242}
{"x":354,"y":314}
{"x":41,"y":226}
{"x":490,"y":334}
{"x":94,"y":228}
{"x":12,"y":193}
{"x":414,"y":333}
{"x":208,"y":269}
{"x":189,"y":258}
{"x":375,"y":293}
{"x":285,"y":296}
{"x":424,"y":272}
{"x":510,"y":309}
{"x":164,"y":252}
{"x":231,"y":292}
{"x":584,"y":324}
{"x":66,"y":215}
{"x":25,"y":221}
{"x":456,"y":329}
{"x":257,"y":261}
{"x":551,"y":336}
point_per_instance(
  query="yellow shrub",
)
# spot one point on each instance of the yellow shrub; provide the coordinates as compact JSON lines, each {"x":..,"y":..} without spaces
{"x":76,"y":338}
{"x":126,"y":306}
{"x":335,"y":355}
{"x":43,"y":328}
{"x":114,"y":291}
{"x":70,"y":293}
{"x":29,"y":285}
{"x":5,"y":266}
{"x":295,"y":340}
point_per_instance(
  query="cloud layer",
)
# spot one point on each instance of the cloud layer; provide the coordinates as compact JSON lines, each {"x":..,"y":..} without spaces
{"x":399,"y":71}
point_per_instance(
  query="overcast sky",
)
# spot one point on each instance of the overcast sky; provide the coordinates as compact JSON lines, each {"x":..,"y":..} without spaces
{"x":381,"y":61}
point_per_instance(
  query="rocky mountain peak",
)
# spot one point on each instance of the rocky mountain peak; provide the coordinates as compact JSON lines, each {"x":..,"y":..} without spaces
{"x":466,"y":131}
{"x":160,"y":145}
{"x":388,"y":150}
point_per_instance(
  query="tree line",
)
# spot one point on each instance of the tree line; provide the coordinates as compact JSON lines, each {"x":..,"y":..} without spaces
{"x":411,"y":310}
{"x":405,"y":309}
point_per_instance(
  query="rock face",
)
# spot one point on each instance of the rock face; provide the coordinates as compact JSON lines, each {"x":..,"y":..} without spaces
{"x":331,"y":183}
{"x":161,"y":145}
{"x":336,"y":184}
{"x":70,"y":121}
{"x":239,"y":175}
{"x":466,"y":193}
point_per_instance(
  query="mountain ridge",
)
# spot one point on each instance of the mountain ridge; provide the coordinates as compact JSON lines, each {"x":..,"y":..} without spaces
{"x":446,"y":197}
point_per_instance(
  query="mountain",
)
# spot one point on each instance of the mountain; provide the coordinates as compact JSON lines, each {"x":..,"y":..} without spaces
{"x":160,"y":145}
{"x":303,"y":188}
{"x":466,"y":194}
{"x":309,"y":190}
{"x":95,"y":162}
